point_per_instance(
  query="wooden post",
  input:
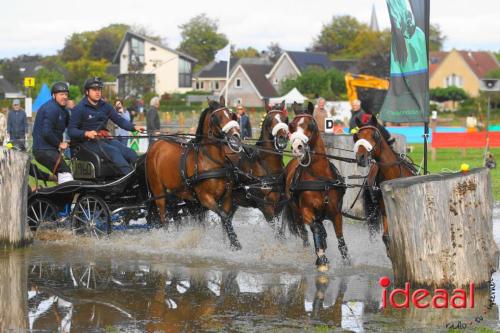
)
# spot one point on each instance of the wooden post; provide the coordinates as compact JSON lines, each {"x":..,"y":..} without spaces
{"x":13,"y":293}
{"x":341,"y":145}
{"x":441,"y":229}
{"x":14,"y":167}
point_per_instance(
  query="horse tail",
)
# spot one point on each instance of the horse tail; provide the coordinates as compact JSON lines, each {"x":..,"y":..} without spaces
{"x":289,"y":219}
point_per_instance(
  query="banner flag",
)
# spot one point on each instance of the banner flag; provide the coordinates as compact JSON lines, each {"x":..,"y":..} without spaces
{"x":408,"y":97}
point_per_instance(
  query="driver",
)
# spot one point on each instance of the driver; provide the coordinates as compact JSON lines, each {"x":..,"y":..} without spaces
{"x":88,"y":125}
{"x":48,"y":143}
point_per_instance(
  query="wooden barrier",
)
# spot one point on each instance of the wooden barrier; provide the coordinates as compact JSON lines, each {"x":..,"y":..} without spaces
{"x":441,"y":229}
{"x":337,"y":145}
{"x":13,"y":292}
{"x":14,"y":167}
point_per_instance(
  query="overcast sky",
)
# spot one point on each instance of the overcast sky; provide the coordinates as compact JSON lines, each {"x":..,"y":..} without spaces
{"x":36,"y":26}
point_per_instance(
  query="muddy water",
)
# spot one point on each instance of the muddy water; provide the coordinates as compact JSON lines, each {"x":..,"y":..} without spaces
{"x":185,"y":279}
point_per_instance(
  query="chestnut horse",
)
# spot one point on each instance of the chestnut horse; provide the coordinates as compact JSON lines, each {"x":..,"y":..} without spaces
{"x":260,"y":170}
{"x":314,"y":188}
{"x":371,"y":149}
{"x":197,"y":171}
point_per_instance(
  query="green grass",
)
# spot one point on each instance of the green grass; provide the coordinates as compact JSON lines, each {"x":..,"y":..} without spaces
{"x":450,"y":160}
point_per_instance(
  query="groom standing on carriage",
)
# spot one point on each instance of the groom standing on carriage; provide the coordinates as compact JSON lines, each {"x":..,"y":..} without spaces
{"x":88,"y":126}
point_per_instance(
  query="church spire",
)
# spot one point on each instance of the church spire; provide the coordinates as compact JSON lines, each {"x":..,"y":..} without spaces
{"x":373,"y":20}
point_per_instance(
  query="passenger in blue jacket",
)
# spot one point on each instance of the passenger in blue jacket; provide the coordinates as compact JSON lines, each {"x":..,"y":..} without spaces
{"x":88,"y":125}
{"x":48,"y":142}
{"x":17,"y":125}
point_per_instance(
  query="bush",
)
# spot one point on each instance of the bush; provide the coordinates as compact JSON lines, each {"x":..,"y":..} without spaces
{"x":448,"y":94}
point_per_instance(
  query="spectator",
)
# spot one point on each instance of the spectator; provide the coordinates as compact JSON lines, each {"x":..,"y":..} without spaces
{"x":17,"y":125}
{"x":3,"y":126}
{"x":320,"y":113}
{"x":153,"y":119}
{"x":122,"y":134}
{"x":338,"y":127}
{"x":356,"y":112}
{"x":244,"y":121}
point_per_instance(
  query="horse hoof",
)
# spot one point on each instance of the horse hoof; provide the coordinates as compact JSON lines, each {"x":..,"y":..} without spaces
{"x":347,"y":261}
{"x":323,"y":268}
{"x":236,"y":246}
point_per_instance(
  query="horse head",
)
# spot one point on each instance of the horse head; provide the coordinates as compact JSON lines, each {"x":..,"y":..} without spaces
{"x":219,"y":122}
{"x":304,"y":130}
{"x":275,"y":125}
{"x":367,"y":140}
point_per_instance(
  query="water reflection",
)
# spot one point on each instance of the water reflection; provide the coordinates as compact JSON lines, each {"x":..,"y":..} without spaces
{"x":138,"y":296}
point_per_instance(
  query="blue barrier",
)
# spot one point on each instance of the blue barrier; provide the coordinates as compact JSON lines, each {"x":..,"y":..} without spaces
{"x":414,"y":134}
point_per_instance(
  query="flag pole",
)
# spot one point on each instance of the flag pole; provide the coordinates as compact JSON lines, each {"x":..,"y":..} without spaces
{"x":227,"y":80}
{"x":426,"y":121}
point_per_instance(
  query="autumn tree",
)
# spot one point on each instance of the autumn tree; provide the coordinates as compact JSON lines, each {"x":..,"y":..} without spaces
{"x":249,"y":52}
{"x":201,"y":38}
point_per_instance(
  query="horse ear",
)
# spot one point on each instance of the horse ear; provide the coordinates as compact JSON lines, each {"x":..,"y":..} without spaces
{"x":373,"y":120}
{"x":222,"y":101}
{"x":283,"y":105}
{"x":296,"y":108}
{"x":310,"y":108}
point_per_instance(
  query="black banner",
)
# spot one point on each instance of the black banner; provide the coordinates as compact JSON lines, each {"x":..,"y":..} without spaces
{"x":408,"y":96}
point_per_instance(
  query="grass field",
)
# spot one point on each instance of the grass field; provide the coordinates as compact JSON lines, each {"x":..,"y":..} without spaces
{"x":451,"y":159}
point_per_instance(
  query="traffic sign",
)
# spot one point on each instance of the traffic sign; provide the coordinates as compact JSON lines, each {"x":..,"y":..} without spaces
{"x":29,"y":82}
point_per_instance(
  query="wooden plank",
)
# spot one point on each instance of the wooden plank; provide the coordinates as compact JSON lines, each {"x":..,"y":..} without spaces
{"x":441,"y":229}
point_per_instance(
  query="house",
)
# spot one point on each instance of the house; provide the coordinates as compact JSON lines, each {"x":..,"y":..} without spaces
{"x":7,"y":90}
{"x":463,"y":69}
{"x":248,"y":84}
{"x":146,"y":65}
{"x":212,"y":77}
{"x":292,"y":63}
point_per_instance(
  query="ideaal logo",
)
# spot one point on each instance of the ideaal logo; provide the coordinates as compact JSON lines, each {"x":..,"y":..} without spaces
{"x":439,"y":299}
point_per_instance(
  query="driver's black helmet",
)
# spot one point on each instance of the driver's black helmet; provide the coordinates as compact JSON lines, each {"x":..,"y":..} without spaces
{"x":93,"y":82}
{"x":59,"y":87}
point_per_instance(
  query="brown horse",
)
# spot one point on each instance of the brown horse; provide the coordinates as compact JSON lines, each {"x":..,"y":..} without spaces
{"x":260,"y":170}
{"x":197,"y":171}
{"x":371,"y":149}
{"x":314,"y":188}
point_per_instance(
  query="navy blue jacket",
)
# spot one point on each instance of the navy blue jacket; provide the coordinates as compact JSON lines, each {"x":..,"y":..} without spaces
{"x":245,"y":126}
{"x":17,"y":124}
{"x":50,"y":122}
{"x":87,"y":117}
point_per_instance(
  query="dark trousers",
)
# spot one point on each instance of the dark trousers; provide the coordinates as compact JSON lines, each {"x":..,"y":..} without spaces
{"x":48,"y":158}
{"x":114,"y":152}
{"x":122,"y":140}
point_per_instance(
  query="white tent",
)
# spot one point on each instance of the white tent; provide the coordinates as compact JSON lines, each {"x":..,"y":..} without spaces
{"x":293,"y":95}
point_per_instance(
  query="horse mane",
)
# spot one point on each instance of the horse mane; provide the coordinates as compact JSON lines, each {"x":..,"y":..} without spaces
{"x":260,"y":141}
{"x":199,"y":130}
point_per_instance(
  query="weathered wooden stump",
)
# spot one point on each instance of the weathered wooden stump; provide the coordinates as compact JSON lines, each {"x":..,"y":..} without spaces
{"x":441,"y":229}
{"x":13,"y":292}
{"x":341,"y":145}
{"x":14,"y":167}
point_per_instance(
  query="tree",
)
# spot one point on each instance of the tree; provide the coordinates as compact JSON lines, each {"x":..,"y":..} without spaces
{"x":47,"y":76}
{"x":107,"y":40}
{"x":451,"y":93}
{"x":201,"y":39}
{"x":10,"y":68}
{"x":375,"y":57}
{"x":275,"y":51}
{"x":436,"y":38}
{"x":76,"y":46}
{"x":249,"y":52}
{"x":336,"y":36}
{"x":80,"y":70}
{"x":314,"y":81}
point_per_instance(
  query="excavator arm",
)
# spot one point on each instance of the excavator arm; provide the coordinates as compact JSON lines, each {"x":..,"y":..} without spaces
{"x":353,"y":81}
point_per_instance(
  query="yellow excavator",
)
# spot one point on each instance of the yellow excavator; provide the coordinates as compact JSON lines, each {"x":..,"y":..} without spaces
{"x":354,"y":81}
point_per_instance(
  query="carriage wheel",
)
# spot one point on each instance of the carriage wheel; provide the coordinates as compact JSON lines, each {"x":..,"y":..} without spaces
{"x":91,"y":217}
{"x":42,"y":213}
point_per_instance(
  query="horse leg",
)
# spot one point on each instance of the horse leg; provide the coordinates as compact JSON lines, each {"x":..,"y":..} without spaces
{"x":161,"y":204}
{"x":225,"y":213}
{"x":337,"y":224}
{"x":319,"y":236}
{"x":385,"y":236}
{"x":304,"y":235}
